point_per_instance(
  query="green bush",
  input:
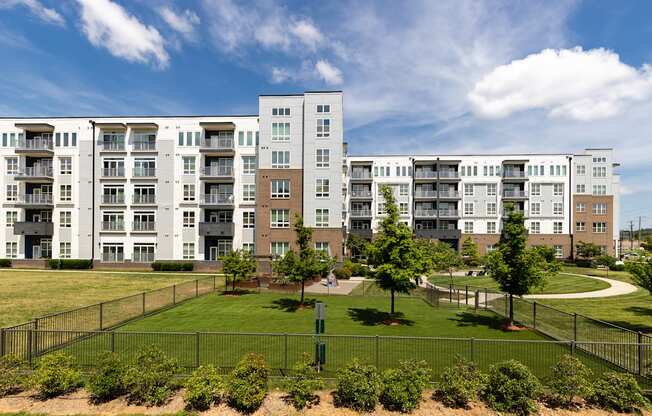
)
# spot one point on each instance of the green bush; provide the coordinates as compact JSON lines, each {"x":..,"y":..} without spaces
{"x":342,"y":273}
{"x":106,"y":381}
{"x":403,"y":386}
{"x":70,"y":264}
{"x":618,"y":268}
{"x":204,"y":388}
{"x":606,"y":260}
{"x":358,"y":386}
{"x":56,"y":374}
{"x":173,"y":266}
{"x":511,"y":387}
{"x":569,"y":379}
{"x":13,"y":377}
{"x":303,"y":384}
{"x":461,"y":384}
{"x":584,"y":263}
{"x":357,"y":269}
{"x":247,"y":384}
{"x":5,"y":262}
{"x":617,"y":391}
{"x":149,"y":380}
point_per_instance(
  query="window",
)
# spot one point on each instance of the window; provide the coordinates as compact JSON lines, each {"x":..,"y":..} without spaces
{"x":491,"y":208}
{"x":381,"y":208}
{"x":599,"y":189}
{"x":143,"y":253}
{"x":12,"y":192}
{"x":490,"y":248}
{"x":248,"y":219}
{"x":280,"y":159}
{"x":180,"y":142}
{"x":188,"y":192}
{"x":12,"y":217}
{"x":535,"y":189}
{"x":322,"y":188}
{"x":64,"y":250}
{"x":280,"y":111}
{"x":280,"y":188}
{"x":189,"y":165}
{"x":559,"y":251}
{"x":468,"y":189}
{"x":65,"y":219}
{"x":188,"y":251}
{"x":599,"y":209}
{"x":145,"y":167}
{"x":491,"y":227}
{"x":280,"y":132}
{"x":580,"y":207}
{"x":485,"y":170}
{"x":322,"y":246}
{"x":280,"y":218}
{"x":65,"y":193}
{"x":250,"y":247}
{"x":535,"y":227}
{"x":323,"y":127}
{"x":248,"y":165}
{"x":12,"y":165}
{"x":580,"y":226}
{"x":580,"y":170}
{"x":65,"y":164}
{"x":321,"y":217}
{"x":248,"y":191}
{"x":468,"y":227}
{"x":557,"y":227}
{"x":188,"y":219}
{"x":403,"y":208}
{"x":323,"y":158}
{"x":601,"y":159}
{"x":323,"y":108}
{"x":557,"y":208}
{"x":279,"y":248}
{"x":492,"y":189}
{"x":600,"y":227}
{"x":535,"y":208}
{"x":557,"y":189}
{"x":113,"y":221}
{"x":580,"y":188}
{"x":599,"y":171}
{"x":468,"y":208}
{"x":11,"y":250}
{"x":403,"y":189}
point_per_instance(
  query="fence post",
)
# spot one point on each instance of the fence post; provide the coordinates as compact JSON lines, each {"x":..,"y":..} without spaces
{"x":377,"y":352}
{"x":506,"y":305}
{"x":214,"y":283}
{"x":485,"y":299}
{"x":640,"y":353}
{"x":450,"y":294}
{"x":36,"y":337}
{"x":2,"y":342}
{"x":29,"y":346}
{"x":101,"y":316}
{"x":285,"y":361}
{"x":534,"y":314}
{"x":572,"y":347}
{"x":143,"y":303}
{"x":174,"y":294}
{"x":196,"y":287}
{"x":472,"y":342}
{"x":112,"y":341}
{"x":197,"y":349}
{"x":466,"y":294}
{"x":574,"y":328}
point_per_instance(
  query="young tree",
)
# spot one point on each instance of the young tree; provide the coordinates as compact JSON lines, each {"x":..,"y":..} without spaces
{"x":470,"y":252}
{"x":394,"y":252}
{"x":587,"y":250}
{"x":356,"y":245}
{"x":445,"y":257}
{"x":641,"y":271}
{"x":518,"y":269}
{"x":240,"y":264}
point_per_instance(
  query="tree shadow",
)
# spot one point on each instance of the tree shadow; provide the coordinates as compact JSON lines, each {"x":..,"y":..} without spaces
{"x":292,"y":305}
{"x":372,"y":317}
{"x":237,"y":292}
{"x":468,"y":319}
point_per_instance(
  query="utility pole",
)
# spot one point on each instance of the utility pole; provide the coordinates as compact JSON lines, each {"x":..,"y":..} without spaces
{"x":631,"y":235}
{"x":639,"y":231}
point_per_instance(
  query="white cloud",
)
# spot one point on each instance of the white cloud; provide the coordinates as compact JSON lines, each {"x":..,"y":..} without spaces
{"x":46,"y":14}
{"x":108,"y":25}
{"x":307,"y":33}
{"x":182,"y":22}
{"x":568,"y":83}
{"x":329,"y":73}
{"x":280,"y":75}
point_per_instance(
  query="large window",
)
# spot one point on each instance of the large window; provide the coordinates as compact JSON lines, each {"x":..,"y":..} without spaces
{"x":323,"y":108}
{"x":321,"y":217}
{"x":535,"y":227}
{"x":143,"y":253}
{"x":557,"y":227}
{"x":580,"y":188}
{"x":580,"y":207}
{"x":280,"y":218}
{"x":280,"y":159}
{"x":248,"y":219}
{"x":12,"y":165}
{"x":599,"y":171}
{"x":600,"y":227}
{"x":491,"y":227}
{"x":113,"y":252}
{"x":468,"y":189}
{"x":535,"y":189}
{"x":144,"y":194}
{"x":323,"y":157}
{"x":188,"y":192}
{"x":11,"y":250}
{"x":12,"y":217}
{"x":558,"y":189}
{"x":64,"y":250}
{"x":280,"y":188}
{"x":322,"y":246}
{"x":145,"y":167}
{"x":12,"y":192}
{"x":113,"y":221}
{"x":65,"y":164}
{"x":557,"y":208}
{"x":188,"y":219}
{"x":491,"y":189}
{"x":535,"y":208}
{"x":65,"y":219}
{"x":599,"y":189}
{"x":581,"y":170}
{"x":599,"y":209}
{"x":279,"y":248}
{"x":248,"y":165}
{"x":188,"y":251}
{"x":65,"y":193}
{"x":491,"y":208}
{"x":323,"y":127}
{"x":468,"y":208}
{"x":189,"y":165}
{"x":580,"y":226}
{"x":468,"y":227}
{"x":280,"y":132}
{"x":322,"y":188}
{"x":281,"y":111}
{"x":248,"y":192}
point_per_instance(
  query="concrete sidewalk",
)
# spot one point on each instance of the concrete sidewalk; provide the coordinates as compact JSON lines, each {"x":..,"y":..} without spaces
{"x":617,"y":288}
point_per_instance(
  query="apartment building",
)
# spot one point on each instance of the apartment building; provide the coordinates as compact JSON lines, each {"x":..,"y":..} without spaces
{"x":566,"y":198}
{"x":131,"y":190}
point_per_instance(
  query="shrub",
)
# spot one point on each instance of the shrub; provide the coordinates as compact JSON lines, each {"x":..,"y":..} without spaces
{"x":247,"y":385}
{"x":342,"y":273}
{"x":511,"y":387}
{"x":70,"y":264}
{"x":606,"y":260}
{"x":617,"y":391}
{"x":5,"y":262}
{"x":149,"y":380}
{"x":55,"y":375}
{"x":569,"y":379}
{"x":619,"y":267}
{"x":106,"y":382}
{"x":302,"y":385}
{"x":12,"y":375}
{"x":460,"y":384}
{"x":403,"y":386}
{"x":173,"y":266}
{"x":357,"y":269}
{"x":358,"y":386}
{"x":203,"y":388}
{"x":584,"y":263}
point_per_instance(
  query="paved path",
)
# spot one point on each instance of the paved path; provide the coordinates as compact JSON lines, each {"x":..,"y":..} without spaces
{"x":344,"y":287}
{"x":617,"y":288}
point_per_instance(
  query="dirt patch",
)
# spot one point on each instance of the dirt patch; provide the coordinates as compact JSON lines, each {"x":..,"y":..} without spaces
{"x":77,"y":403}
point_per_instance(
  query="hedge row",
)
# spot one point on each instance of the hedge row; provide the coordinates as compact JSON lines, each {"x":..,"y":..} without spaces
{"x":70,"y":264}
{"x":164,"y":266}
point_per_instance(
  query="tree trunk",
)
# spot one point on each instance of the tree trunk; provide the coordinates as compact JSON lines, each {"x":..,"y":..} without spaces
{"x":511,"y":309}
{"x":233,"y":283}
{"x":392,"y":308}
{"x":303,"y":283}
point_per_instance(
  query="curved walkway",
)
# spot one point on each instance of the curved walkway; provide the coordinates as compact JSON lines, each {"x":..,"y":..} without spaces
{"x":617,"y":288}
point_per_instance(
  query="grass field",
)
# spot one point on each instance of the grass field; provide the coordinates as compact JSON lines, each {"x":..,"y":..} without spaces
{"x":624,"y":276}
{"x":560,"y":283}
{"x":27,"y":294}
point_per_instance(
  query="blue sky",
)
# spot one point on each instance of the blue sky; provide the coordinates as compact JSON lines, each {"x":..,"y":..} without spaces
{"x":420,"y":76}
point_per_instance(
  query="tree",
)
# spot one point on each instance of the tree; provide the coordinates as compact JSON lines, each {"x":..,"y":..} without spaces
{"x":470,"y":252}
{"x":437,"y":255}
{"x":356,"y":245}
{"x":240,"y":264}
{"x":587,"y":250}
{"x":518,"y":269}
{"x":641,"y":271}
{"x":394,"y":252}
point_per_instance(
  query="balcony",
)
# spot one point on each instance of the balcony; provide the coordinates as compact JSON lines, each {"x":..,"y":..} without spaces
{"x":216,"y":229}
{"x":448,"y":213}
{"x":113,"y":226}
{"x":144,"y":199}
{"x":425,"y":194}
{"x":113,"y":172}
{"x":35,"y":200}
{"x":448,"y":174}
{"x":143,"y":226}
{"x":143,"y":258}
{"x":425,"y":213}
{"x":216,"y":199}
{"x":109,"y":199}
{"x":140,"y":172}
{"x":506,"y":212}
{"x":216,"y":172}
{"x":362,"y":232}
{"x":360,"y":213}
{"x":361,"y":175}
{"x":360,"y":194}
{"x":35,"y":147}
{"x":514,"y":175}
{"x":144,"y":147}
{"x":33,"y":228}
{"x":218,"y":146}
{"x":450,"y":194}
{"x":35,"y":173}
{"x":438,"y":233}
{"x":113,"y":146}
{"x":113,"y":257}
{"x":514,"y":194}
{"x":425,"y":174}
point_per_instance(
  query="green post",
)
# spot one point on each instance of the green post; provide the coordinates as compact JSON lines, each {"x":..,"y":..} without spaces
{"x":2,"y":342}
{"x":101,"y":316}
{"x":29,"y":346}
{"x":112,"y":341}
{"x":174,"y":294}
{"x":196,"y":287}
{"x":466,"y":294}
{"x":143,"y":303}
{"x":641,"y":356}
{"x":472,"y":348}
{"x":575,"y":327}
{"x":377,"y":351}
{"x":197,"y":349}
{"x":534,"y":315}
{"x":285,"y":366}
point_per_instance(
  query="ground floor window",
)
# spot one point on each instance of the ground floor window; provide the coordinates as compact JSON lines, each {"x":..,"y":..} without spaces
{"x":222,"y":248}
{"x":250,"y":247}
{"x":143,"y":253}
{"x":64,"y":250}
{"x":113,"y":252}
{"x":323,"y":246}
{"x":188,"y":251}
{"x":279,"y":248}
{"x":559,"y":251}
{"x":11,"y":250}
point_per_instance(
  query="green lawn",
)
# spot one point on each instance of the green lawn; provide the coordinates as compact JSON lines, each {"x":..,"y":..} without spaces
{"x":28,"y":294}
{"x":560,"y":283}
{"x":624,"y":276}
